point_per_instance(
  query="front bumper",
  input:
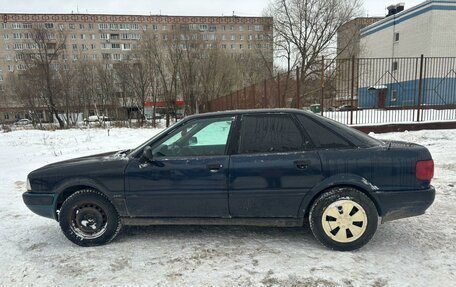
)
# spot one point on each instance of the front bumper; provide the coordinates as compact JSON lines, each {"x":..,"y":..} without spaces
{"x":400,"y":204}
{"x":41,"y":203}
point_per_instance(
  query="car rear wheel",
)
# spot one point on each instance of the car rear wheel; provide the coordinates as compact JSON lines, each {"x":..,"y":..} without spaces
{"x":88,"y":218}
{"x":343,"y":219}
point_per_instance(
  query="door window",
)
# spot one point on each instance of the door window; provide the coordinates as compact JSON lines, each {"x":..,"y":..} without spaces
{"x":270,"y":133}
{"x":197,"y":138}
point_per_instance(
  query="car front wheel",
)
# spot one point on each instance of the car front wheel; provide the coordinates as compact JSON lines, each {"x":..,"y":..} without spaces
{"x":343,"y":219}
{"x":88,"y":218}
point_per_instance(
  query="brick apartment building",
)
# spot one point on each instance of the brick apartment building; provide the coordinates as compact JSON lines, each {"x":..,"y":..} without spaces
{"x":111,"y":37}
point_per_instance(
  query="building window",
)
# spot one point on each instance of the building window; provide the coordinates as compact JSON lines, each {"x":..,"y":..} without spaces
{"x":396,"y":37}
{"x":92,"y":36}
{"x":155,"y":27}
{"x":71,"y":26}
{"x":258,"y":27}
{"x":93,"y":46}
{"x":104,"y":36}
{"x":61,"y":27}
{"x":233,"y":37}
{"x":90,"y":26}
{"x":105,"y":46}
{"x":241,"y":37}
{"x":5,"y":36}
{"x":1,"y":78}
{"x":81,"y":26}
{"x":73,"y":36}
{"x":115,"y":46}
{"x":16,"y":25}
{"x":203,"y":27}
{"x":394,"y":95}
{"x":49,"y":25}
{"x":75,"y":46}
{"x":27,"y":25}
{"x":241,"y":28}
{"x":395,"y":66}
{"x":83,"y":36}
{"x":103,"y":26}
{"x":116,"y":57}
{"x":10,"y":68}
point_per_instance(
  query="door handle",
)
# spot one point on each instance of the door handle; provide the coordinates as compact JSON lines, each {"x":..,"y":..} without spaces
{"x":302,"y":164}
{"x":214,"y":167}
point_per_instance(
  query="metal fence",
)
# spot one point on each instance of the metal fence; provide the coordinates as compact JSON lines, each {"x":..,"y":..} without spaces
{"x":359,"y":91}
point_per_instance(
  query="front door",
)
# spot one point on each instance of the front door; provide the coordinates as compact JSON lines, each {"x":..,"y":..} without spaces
{"x":273,"y":169}
{"x":188,"y":174}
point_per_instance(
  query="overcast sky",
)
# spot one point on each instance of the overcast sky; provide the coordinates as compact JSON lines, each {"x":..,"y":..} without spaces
{"x":167,"y":7}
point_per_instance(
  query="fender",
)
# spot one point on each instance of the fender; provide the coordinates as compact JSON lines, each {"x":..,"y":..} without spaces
{"x":345,"y":179}
{"x":117,"y":199}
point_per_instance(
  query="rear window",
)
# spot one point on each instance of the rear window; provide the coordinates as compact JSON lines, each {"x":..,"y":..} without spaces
{"x":321,"y":136}
{"x":270,"y":133}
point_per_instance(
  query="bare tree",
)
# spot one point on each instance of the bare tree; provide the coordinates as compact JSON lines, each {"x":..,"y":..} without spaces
{"x":305,"y":30}
{"x":41,"y":54}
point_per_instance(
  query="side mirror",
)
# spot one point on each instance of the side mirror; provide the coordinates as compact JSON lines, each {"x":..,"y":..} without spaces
{"x":193,"y":141}
{"x":147,"y":153}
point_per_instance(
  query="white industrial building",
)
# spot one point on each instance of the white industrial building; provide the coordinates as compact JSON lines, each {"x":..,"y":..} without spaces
{"x":428,"y":28}
{"x":390,"y":67}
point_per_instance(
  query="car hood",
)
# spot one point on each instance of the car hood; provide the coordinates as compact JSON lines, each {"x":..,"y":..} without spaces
{"x":97,"y":158}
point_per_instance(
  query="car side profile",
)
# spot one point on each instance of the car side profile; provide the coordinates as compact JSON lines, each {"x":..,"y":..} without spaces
{"x":279,"y":167}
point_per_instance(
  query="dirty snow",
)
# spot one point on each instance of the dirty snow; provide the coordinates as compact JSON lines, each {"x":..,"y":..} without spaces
{"x":418,"y":251}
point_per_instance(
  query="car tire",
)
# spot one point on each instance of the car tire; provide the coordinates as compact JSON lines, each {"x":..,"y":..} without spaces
{"x":88,"y":218}
{"x":343,"y":219}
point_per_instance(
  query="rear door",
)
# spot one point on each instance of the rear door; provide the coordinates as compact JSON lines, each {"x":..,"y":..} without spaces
{"x":273,"y":168}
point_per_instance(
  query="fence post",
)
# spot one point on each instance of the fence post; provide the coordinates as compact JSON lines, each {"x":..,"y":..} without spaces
{"x":265,"y":92}
{"x":245,"y":98}
{"x":278,"y":90}
{"x":298,"y":88}
{"x":420,"y":88}
{"x":352,"y":88}
{"x":322,"y":84}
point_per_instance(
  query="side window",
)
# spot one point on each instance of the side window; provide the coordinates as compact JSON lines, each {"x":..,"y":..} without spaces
{"x":196,"y":138}
{"x":321,"y":136}
{"x":269,"y":133}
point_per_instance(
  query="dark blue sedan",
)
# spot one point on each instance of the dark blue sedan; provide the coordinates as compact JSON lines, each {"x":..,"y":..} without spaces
{"x":280,"y":167}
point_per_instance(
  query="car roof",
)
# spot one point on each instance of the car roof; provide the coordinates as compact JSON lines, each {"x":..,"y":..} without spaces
{"x":243,"y":112}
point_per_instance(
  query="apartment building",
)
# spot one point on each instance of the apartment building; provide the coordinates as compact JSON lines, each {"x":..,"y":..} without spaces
{"x":111,"y":37}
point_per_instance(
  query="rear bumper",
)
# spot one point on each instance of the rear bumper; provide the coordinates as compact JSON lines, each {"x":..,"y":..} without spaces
{"x":41,"y":203}
{"x":400,"y":204}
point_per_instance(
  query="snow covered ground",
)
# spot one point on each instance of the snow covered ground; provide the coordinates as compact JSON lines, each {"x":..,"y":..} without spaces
{"x":418,"y":251}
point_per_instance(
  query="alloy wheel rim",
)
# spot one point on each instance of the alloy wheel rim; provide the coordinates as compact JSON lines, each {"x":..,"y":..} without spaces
{"x":344,"y":221}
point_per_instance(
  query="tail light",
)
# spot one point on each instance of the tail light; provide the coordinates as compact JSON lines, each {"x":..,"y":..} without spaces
{"x":425,"y":170}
